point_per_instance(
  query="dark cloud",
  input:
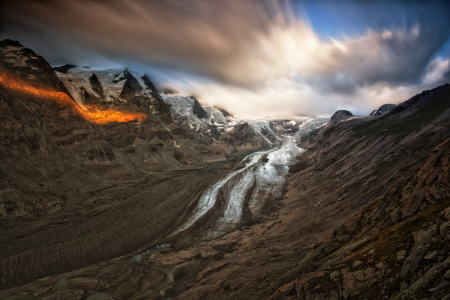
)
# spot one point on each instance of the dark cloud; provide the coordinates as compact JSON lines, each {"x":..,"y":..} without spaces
{"x":232,"y":41}
{"x":209,"y":37}
{"x":395,"y":56}
{"x":446,"y":77}
{"x":241,"y":45}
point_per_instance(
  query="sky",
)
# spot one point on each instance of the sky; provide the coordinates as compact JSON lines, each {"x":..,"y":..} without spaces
{"x":253,"y":58}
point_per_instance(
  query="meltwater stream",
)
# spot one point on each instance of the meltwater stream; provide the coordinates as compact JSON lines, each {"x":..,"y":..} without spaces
{"x":262,"y":178}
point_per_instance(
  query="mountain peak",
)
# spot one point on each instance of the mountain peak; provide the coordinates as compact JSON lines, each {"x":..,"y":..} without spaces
{"x":63,"y":69}
{"x":341,"y":115}
{"x":148,"y":83}
{"x":382,"y":110}
{"x":198,"y":109}
{"x":8,"y":42}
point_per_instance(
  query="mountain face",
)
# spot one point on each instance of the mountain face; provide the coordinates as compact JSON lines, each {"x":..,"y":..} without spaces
{"x":188,"y":112}
{"x":28,"y":65}
{"x":86,"y":149}
{"x":98,"y":172}
{"x":112,"y":88}
{"x":240,"y":136}
{"x":388,"y":176}
{"x":216,"y":123}
{"x":198,"y":109}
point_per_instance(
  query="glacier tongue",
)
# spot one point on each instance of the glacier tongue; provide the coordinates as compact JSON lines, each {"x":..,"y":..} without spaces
{"x":209,"y":197}
{"x":261,"y":179}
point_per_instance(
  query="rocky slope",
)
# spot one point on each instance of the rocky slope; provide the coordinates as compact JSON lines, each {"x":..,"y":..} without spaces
{"x":89,"y":171}
{"x":364,"y":213}
{"x":365,"y":216}
{"x":390,"y":177}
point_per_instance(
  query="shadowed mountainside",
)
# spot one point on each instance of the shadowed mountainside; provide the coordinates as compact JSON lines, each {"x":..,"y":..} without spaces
{"x":385,"y":182}
{"x":74,"y":192}
{"x":365,"y":211}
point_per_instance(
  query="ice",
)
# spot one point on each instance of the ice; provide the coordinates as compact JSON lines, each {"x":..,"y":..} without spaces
{"x":260,"y":179}
{"x":209,"y":197}
{"x":182,"y":111}
{"x":269,"y":177}
{"x":258,"y":126}
{"x":79,"y":78}
{"x":310,"y":125}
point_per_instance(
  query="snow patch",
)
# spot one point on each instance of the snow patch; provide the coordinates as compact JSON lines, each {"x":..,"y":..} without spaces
{"x":111,"y":80}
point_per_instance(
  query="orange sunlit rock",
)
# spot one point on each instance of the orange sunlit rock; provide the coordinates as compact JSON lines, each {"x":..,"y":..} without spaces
{"x":15,"y":83}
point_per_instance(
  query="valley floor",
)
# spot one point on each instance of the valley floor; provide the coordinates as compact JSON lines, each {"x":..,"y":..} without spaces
{"x":250,"y":193}
{"x":124,"y":215}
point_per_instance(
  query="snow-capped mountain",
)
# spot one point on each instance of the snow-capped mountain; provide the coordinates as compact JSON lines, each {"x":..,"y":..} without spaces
{"x":92,"y":85}
{"x":188,"y":112}
{"x":105,"y":84}
{"x":101,"y":87}
{"x":209,"y":119}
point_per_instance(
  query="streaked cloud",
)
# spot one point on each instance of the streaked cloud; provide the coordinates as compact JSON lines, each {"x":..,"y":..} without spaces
{"x":251,"y":57}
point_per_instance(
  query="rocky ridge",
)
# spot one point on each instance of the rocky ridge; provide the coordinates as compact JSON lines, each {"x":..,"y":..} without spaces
{"x":67,"y":183}
{"x":396,"y":246}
